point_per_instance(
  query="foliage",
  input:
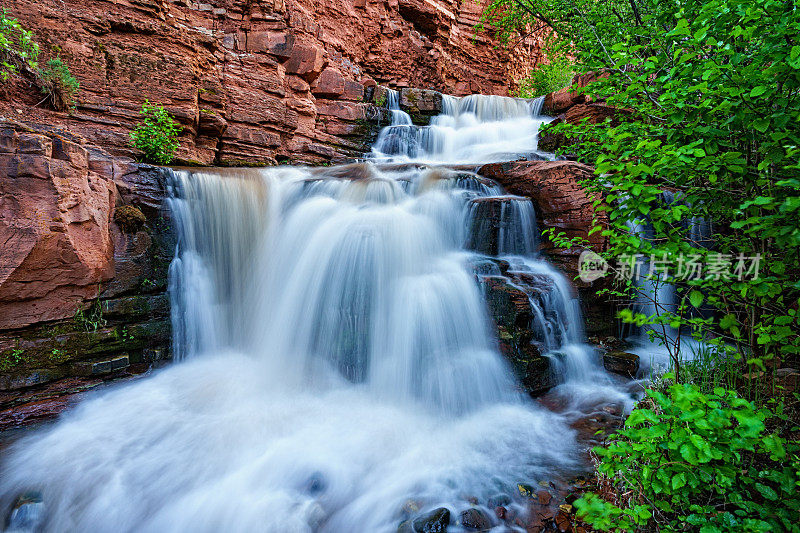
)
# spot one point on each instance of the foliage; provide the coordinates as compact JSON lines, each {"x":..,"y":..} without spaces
{"x":58,"y":84}
{"x":711,"y":97}
{"x":90,"y":318}
{"x":17,"y":47}
{"x":156,"y":135}
{"x":697,"y":462}
{"x":11,"y":359}
{"x":547,"y":77}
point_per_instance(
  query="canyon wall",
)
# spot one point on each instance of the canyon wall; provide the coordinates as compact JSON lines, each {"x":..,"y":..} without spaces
{"x":257,"y":82}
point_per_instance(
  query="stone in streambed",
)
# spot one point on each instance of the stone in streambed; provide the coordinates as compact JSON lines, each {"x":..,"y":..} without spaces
{"x":27,"y":513}
{"x":473,"y":519}
{"x":435,"y":521}
{"x":623,"y":363}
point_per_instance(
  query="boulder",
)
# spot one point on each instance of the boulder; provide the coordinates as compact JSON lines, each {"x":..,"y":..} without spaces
{"x":474,"y":519}
{"x":435,"y":521}
{"x":420,"y":103}
{"x":623,"y":363}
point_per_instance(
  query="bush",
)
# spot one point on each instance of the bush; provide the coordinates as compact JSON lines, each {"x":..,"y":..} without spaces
{"x":547,"y":78}
{"x":58,"y":84}
{"x":697,"y":462}
{"x":156,"y":135}
{"x":17,"y":48}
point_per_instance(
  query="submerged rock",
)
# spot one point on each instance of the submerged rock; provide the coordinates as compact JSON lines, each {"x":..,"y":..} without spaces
{"x":435,"y":521}
{"x":27,"y":515}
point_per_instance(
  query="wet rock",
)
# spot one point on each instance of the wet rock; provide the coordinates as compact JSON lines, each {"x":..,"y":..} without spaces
{"x":435,"y":521}
{"x":498,"y":500}
{"x":526,"y":490}
{"x":316,"y":484}
{"x":544,"y":497}
{"x":421,"y":103}
{"x":474,"y":519}
{"x":28,"y":514}
{"x":623,"y":363}
{"x":500,"y":512}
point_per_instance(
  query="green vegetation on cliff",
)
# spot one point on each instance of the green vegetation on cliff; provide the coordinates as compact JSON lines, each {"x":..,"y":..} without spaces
{"x":156,"y":135}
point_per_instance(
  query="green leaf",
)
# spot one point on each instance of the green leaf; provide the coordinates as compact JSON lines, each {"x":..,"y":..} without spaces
{"x":696,"y":298}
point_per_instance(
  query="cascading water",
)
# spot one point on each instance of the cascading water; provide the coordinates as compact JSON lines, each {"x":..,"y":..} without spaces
{"x":337,"y":355}
{"x":474,"y":129}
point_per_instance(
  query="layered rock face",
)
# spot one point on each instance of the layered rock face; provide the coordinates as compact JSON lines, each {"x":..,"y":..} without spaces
{"x":84,"y":264}
{"x":258,"y":82}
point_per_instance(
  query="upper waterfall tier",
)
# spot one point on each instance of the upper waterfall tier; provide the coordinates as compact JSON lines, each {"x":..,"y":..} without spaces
{"x":472,"y":129}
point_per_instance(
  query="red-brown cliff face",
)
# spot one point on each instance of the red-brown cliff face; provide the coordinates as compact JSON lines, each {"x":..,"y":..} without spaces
{"x":256,"y":81}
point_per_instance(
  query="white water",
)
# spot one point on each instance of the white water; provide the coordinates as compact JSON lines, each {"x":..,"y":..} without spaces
{"x":472,"y":129}
{"x":337,"y":361}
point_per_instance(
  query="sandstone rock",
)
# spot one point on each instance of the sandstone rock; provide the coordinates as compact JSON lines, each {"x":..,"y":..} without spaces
{"x":54,"y":220}
{"x":623,"y":363}
{"x":330,"y":84}
{"x":233,"y":58}
{"x":306,"y":61}
{"x":593,"y":113}
{"x":421,"y":102}
{"x":559,"y":101}
{"x":212,"y":123}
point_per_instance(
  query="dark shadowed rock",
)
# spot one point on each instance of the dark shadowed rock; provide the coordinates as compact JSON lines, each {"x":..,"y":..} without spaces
{"x":475,"y":519}
{"x":623,"y":363}
{"x":435,"y":521}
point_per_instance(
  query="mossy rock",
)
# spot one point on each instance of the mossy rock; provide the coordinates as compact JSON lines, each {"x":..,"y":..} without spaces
{"x":130,"y":219}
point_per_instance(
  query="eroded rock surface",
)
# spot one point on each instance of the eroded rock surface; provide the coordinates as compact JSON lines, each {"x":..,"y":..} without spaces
{"x":263,"y":81}
{"x":83,"y":270}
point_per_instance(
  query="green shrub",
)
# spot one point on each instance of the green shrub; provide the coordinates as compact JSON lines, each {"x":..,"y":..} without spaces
{"x":156,"y":135}
{"x":547,"y":78}
{"x":697,"y":462}
{"x":17,"y":48}
{"x":58,"y":84}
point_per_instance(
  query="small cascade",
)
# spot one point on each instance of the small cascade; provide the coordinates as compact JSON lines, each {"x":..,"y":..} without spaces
{"x":399,"y":117}
{"x":475,"y":129}
{"x":657,"y":295}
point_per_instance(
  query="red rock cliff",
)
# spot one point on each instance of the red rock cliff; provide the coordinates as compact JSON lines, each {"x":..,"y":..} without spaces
{"x":256,"y":81}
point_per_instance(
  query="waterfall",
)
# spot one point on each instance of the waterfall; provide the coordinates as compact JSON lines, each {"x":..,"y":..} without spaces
{"x":336,"y":355}
{"x":474,"y":129}
{"x":657,"y":296}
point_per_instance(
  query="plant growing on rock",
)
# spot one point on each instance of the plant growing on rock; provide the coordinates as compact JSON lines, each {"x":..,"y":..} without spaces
{"x":58,"y":84}
{"x":17,"y":47}
{"x":156,"y":136}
